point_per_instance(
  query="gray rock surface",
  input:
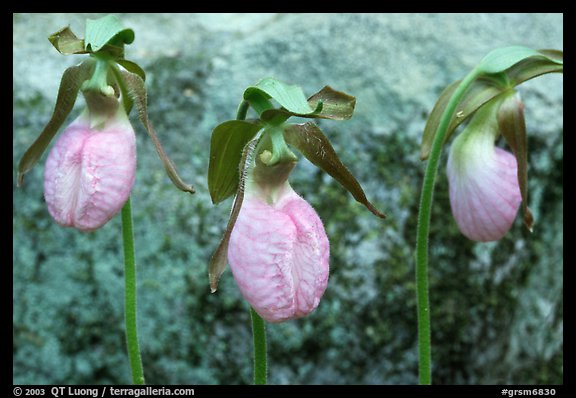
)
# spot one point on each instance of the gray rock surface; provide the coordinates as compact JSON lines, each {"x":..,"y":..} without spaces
{"x":497,"y":308}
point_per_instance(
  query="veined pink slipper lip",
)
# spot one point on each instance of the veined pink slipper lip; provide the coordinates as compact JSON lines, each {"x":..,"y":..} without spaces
{"x":279,"y":256}
{"x":89,"y":173}
{"x":484,"y":191}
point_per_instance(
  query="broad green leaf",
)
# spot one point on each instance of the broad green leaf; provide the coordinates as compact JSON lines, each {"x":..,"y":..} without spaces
{"x":70,"y":84}
{"x":487,"y":88}
{"x":513,"y":127}
{"x":66,"y":42}
{"x":314,"y":145}
{"x":106,"y":31}
{"x":228,"y":140}
{"x":220,"y":258}
{"x":290,"y":97}
{"x":137,"y":91}
{"x":132,"y":67}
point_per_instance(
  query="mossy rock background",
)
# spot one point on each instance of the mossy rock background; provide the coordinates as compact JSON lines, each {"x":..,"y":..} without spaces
{"x":497,"y":308}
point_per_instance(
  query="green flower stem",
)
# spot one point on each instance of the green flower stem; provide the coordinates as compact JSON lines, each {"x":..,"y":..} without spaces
{"x":242,"y":110}
{"x":423,"y":231}
{"x":258,"y":326}
{"x":130,"y":296}
{"x":260,"y":362}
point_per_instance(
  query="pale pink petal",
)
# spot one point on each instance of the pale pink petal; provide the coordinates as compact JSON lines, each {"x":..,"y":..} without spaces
{"x":484,"y":190}
{"x":89,"y":173}
{"x":279,"y":256}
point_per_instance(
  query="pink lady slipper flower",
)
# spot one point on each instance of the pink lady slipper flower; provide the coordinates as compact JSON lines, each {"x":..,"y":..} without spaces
{"x":484,"y":189}
{"x":488,"y":184}
{"x":90,"y":171}
{"x":278,"y":250}
{"x":91,"y":168}
{"x":275,"y":243}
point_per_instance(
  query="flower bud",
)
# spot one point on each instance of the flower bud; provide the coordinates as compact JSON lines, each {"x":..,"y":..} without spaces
{"x":483,"y":179}
{"x":90,"y":171}
{"x":278,"y":250}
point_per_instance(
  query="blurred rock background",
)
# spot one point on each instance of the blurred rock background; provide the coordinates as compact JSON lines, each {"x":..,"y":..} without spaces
{"x":497,"y":308}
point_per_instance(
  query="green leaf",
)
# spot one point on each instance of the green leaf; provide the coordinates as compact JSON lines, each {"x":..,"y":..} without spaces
{"x":327,"y":104}
{"x":258,"y":100}
{"x":548,"y":61}
{"x":314,"y":145}
{"x":336,"y":105}
{"x":228,"y":140}
{"x":553,"y":55}
{"x":513,"y":127}
{"x":66,"y":42}
{"x":290,"y":97}
{"x":137,"y":92}
{"x":132,"y":67}
{"x":276,"y":117}
{"x":220,"y":258}
{"x":500,"y":59}
{"x":106,"y":31}
{"x":70,"y":84}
